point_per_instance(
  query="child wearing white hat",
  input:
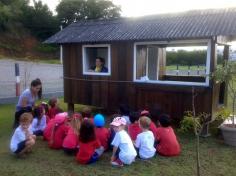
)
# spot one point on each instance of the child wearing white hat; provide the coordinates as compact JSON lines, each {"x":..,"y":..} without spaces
{"x":123,"y":148}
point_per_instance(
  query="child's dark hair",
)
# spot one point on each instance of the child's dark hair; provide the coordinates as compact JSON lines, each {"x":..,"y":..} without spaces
{"x":124,"y":109}
{"x":86,"y":112}
{"x":134,"y":116}
{"x":38,"y":111}
{"x":102,"y":60}
{"x":45,"y":106}
{"x":165,"y":120}
{"x":35,"y":83}
{"x":87,"y":131}
{"x":52,"y":102}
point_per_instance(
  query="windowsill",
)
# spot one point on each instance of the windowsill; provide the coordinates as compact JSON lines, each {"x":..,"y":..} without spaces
{"x":97,"y":74}
{"x":204,"y":84}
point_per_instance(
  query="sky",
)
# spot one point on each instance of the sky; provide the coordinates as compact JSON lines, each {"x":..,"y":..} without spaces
{"x":134,"y":8}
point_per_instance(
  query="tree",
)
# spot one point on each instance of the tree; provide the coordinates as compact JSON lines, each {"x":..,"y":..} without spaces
{"x":73,"y":10}
{"x":40,"y":20}
{"x":10,"y":12}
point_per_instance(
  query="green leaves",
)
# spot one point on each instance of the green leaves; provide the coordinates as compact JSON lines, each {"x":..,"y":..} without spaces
{"x":73,"y":10}
{"x":195,"y":124}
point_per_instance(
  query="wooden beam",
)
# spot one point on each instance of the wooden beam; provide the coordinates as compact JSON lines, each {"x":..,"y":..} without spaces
{"x":70,"y":107}
{"x":223,"y":40}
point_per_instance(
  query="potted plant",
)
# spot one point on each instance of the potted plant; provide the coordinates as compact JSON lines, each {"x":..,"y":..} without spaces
{"x":227,"y":74}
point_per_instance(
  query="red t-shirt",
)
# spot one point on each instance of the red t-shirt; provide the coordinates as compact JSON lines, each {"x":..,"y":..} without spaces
{"x":86,"y":151}
{"x":134,"y":130}
{"x":71,"y":139}
{"x":168,"y":143}
{"x":52,"y":112}
{"x":153,"y":128}
{"x":58,"y":137}
{"x":103,"y":135}
{"x":48,"y":129}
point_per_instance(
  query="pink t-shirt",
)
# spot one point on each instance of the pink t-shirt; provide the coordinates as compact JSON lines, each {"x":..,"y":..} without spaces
{"x":71,"y":139}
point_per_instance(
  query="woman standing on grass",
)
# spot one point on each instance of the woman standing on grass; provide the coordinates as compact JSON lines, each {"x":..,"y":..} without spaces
{"x":27,"y":100}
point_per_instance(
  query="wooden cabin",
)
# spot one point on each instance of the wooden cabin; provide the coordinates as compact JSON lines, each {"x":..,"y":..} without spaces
{"x":135,"y":52}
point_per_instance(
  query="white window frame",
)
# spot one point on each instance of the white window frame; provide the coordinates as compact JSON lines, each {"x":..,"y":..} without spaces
{"x":108,"y":59}
{"x":208,"y":61}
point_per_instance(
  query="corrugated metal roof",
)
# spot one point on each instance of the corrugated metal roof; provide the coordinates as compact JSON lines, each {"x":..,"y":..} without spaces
{"x":176,"y":26}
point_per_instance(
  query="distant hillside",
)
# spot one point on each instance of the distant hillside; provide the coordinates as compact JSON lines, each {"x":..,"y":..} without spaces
{"x":26,"y":46}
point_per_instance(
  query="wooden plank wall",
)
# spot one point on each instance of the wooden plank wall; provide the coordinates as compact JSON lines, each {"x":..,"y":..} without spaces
{"x":119,"y":88}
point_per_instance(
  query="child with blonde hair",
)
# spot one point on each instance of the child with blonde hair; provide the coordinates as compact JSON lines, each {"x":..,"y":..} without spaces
{"x":23,"y":139}
{"x":145,"y":140}
{"x":70,"y":142}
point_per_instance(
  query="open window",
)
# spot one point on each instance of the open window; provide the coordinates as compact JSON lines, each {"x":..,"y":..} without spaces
{"x":172,"y":63}
{"x":96,"y":60}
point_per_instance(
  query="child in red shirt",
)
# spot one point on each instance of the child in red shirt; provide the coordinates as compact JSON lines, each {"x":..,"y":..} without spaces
{"x":70,"y":142}
{"x":53,"y":108}
{"x":90,"y":148}
{"x":102,"y":133}
{"x":168,"y":144}
{"x":134,"y":128}
{"x":58,"y":131}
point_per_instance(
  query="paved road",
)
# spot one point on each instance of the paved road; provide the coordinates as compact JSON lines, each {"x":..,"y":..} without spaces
{"x":50,"y":75}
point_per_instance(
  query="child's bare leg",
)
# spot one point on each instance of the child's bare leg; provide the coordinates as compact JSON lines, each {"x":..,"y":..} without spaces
{"x":30,"y":143}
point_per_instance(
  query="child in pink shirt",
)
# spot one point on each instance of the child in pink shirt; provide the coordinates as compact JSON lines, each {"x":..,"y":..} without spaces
{"x":70,"y":142}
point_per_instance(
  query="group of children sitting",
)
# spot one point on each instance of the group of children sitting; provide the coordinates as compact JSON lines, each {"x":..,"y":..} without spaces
{"x":129,"y":135}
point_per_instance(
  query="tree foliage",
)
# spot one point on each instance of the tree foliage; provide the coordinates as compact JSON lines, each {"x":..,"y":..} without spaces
{"x":10,"y":13}
{"x":73,"y":10}
{"x":40,"y":20}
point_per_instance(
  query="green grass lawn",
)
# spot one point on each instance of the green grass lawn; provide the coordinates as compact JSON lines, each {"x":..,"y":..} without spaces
{"x":217,"y":159}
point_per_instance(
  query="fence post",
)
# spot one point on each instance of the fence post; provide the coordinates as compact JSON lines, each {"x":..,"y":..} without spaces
{"x":189,"y":69}
{"x":17,"y":74}
{"x":198,"y":69}
{"x":177,"y":69}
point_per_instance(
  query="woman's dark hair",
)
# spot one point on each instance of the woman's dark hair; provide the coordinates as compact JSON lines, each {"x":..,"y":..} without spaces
{"x":35,"y":83}
{"x":101,"y":59}
{"x":87,"y":131}
{"x":124,"y":109}
{"x":165,"y":120}
{"x":134,"y":116}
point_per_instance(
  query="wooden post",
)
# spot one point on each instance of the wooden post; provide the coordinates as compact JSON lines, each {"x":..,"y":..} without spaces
{"x":70,"y":107}
{"x":224,"y":84}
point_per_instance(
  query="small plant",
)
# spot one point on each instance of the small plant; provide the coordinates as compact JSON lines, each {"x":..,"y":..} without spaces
{"x":196,"y":123}
{"x":227,"y":74}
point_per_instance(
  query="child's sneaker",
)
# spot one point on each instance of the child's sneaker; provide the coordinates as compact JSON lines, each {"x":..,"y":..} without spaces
{"x":117,"y":163}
